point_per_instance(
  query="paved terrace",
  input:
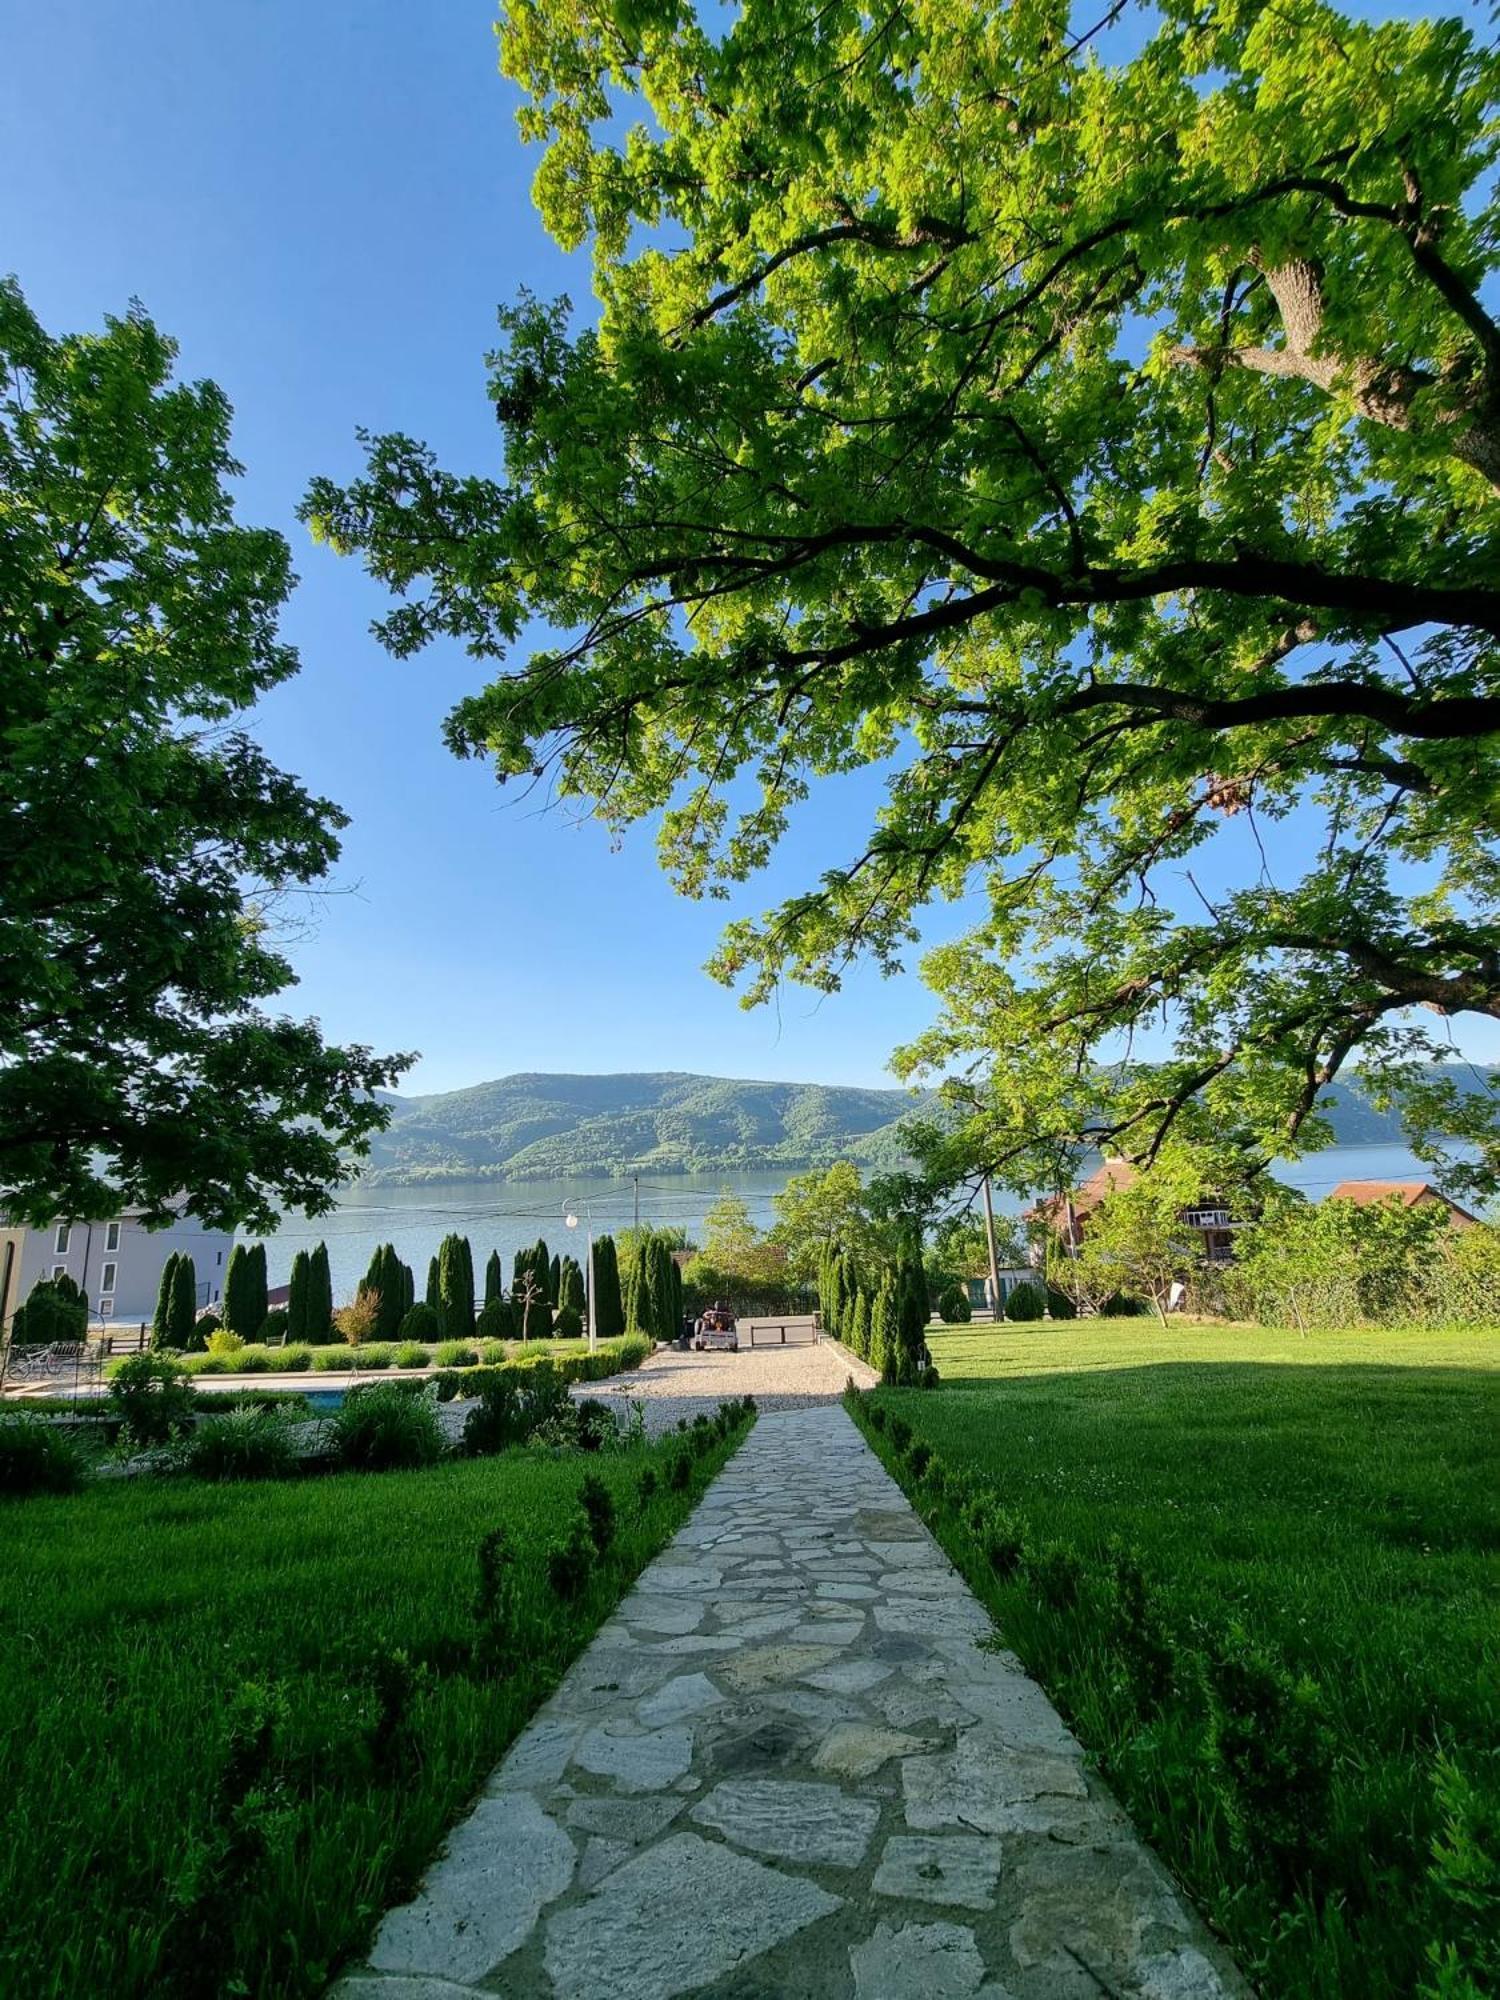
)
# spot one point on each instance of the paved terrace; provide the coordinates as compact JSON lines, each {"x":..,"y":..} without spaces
{"x":794,"y":1764}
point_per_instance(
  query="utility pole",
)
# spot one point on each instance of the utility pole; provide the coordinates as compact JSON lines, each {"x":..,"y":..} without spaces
{"x":637,"y":1179}
{"x":989,"y":1232}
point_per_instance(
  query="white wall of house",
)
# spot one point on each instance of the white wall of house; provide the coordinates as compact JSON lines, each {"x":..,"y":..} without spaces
{"x":118,"y":1264}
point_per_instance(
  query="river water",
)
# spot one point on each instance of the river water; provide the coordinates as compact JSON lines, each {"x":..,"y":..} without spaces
{"x":504,"y":1215}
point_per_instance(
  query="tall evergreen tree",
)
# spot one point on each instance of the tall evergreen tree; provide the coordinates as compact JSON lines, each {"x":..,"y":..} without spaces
{"x":456,"y":1287}
{"x":638,"y":1288}
{"x":519,"y":1269}
{"x":256,"y":1289}
{"x":434,"y":1288}
{"x":536,"y":1321}
{"x":239,"y":1289}
{"x":494,"y":1278}
{"x":912,"y":1313}
{"x":370,"y":1282}
{"x":859,"y":1326}
{"x":609,"y":1307}
{"x":297,"y":1297}
{"x":161,"y":1319}
{"x":883,"y":1325}
{"x":660,"y":1316}
{"x":570,"y":1287}
{"x":319,"y":1296}
{"x":182,"y":1313}
{"x":554,"y":1278}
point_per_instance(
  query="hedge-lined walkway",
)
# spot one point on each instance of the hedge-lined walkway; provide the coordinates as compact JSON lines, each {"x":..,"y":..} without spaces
{"x":792,"y":1764}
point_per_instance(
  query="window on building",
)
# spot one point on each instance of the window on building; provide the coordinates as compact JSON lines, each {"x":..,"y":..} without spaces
{"x":64,"y":1231}
{"x":107,"y":1278}
{"x":112,"y":1236}
{"x":219,"y":1257}
{"x":59,"y":1270}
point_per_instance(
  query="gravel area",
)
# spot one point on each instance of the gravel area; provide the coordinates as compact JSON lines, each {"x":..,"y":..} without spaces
{"x":675,"y":1384}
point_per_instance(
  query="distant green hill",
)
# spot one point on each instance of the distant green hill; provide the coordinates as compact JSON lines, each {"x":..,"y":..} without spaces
{"x":540,"y":1127}
{"x":537,"y":1127}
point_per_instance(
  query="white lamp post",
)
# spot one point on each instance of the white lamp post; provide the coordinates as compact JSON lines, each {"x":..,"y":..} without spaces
{"x":588,"y":1271}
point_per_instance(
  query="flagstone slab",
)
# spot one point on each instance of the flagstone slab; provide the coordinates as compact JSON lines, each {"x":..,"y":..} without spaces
{"x":481,"y":1901}
{"x":959,"y":1868}
{"x":674,"y":1920}
{"x":795,"y":1822}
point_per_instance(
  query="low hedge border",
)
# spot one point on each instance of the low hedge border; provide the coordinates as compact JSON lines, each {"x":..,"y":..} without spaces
{"x":610,"y":1358}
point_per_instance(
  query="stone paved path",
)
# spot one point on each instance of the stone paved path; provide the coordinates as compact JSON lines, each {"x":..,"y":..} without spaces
{"x":790,"y":1766}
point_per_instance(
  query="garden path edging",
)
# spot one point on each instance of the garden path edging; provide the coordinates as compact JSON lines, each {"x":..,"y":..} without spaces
{"x":794,"y":1758}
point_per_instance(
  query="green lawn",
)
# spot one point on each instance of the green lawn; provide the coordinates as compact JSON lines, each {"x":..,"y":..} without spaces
{"x":238,"y":1719}
{"x":1337,"y":1499}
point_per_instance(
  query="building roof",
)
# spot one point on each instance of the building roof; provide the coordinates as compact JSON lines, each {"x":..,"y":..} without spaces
{"x":1366,"y":1193}
{"x":1088,"y":1195}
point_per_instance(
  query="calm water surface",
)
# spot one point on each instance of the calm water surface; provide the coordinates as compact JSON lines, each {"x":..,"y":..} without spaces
{"x":504,"y":1215}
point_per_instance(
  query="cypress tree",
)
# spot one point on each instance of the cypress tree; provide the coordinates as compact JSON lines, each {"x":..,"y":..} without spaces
{"x":554,"y":1278}
{"x":676,"y":1299}
{"x":319,"y":1296}
{"x":637,"y":1288}
{"x":661,"y":1317}
{"x":537,"y":1315}
{"x":161,"y":1319}
{"x":255,"y":1290}
{"x":456,"y":1287}
{"x":296,"y":1302}
{"x":883,"y":1327}
{"x":609,"y":1307}
{"x":541,"y":1264}
{"x":494,"y":1278}
{"x":911,"y":1320}
{"x":238,"y":1286}
{"x":182,"y":1311}
{"x":570,"y":1288}
{"x":859,"y":1326}
{"x":370,"y":1282}
{"x":518,"y":1272}
{"x":434,"y":1290}
{"x":394,"y":1283}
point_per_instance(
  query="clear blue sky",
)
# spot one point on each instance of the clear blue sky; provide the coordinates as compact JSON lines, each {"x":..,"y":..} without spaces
{"x":324,"y":201}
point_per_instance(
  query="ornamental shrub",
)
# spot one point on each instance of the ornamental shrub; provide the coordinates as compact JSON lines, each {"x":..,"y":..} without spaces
{"x":224,"y":1342}
{"x":421,"y":1323}
{"x":681,"y":1475}
{"x":276,"y":1323}
{"x":598,"y":1505}
{"x":570,"y":1563}
{"x":182,"y":1323}
{"x":383,"y":1429}
{"x":596,"y":1424}
{"x":297,"y":1291}
{"x":493,"y":1354}
{"x":1057,"y":1570}
{"x":497,"y":1320}
{"x":918,"y":1458}
{"x":567,"y":1323}
{"x":55,"y":1310}
{"x":647,"y":1484}
{"x":375,"y":1355}
{"x":151,"y":1397}
{"x":456,"y":1354}
{"x":319,"y":1325}
{"x":1060,"y":1305}
{"x":330,"y":1360}
{"x":37,"y":1457}
{"x":411,"y":1354}
{"x":247,"y":1442}
{"x":1027,"y":1302}
{"x":954,"y":1308}
{"x":1272,"y":1754}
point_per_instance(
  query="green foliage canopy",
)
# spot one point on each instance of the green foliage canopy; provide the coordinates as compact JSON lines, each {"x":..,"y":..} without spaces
{"x":143,"y":837}
{"x":1102,"y":430}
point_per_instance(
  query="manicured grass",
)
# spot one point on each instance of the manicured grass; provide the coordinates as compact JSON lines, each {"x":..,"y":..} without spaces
{"x":1332,"y":1500}
{"x":238,"y":1719}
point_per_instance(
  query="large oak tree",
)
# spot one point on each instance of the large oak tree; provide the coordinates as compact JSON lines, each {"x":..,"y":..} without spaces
{"x":145,"y":838}
{"x":1096,"y":421}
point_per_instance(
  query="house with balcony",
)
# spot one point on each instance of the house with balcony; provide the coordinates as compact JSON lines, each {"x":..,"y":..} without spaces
{"x":1067,"y":1215}
{"x":116,"y":1263}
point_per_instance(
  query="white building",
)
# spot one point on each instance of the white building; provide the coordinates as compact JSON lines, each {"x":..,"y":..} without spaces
{"x":116,"y":1264}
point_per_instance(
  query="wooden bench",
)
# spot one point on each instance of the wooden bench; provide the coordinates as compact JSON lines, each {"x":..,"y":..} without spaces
{"x":791,"y":1330}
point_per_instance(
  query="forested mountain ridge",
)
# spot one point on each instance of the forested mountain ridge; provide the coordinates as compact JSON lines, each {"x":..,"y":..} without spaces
{"x":536,"y":1126}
